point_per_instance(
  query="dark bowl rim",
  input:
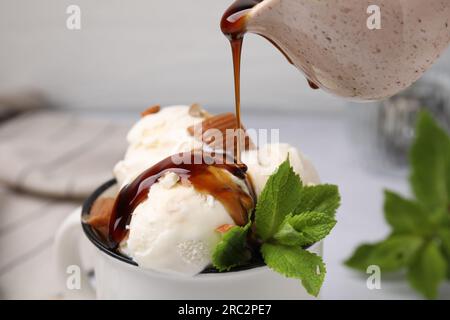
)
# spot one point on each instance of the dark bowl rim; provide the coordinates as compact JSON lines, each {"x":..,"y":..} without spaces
{"x":92,"y":235}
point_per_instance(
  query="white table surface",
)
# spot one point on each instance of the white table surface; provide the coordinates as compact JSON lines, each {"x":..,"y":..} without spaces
{"x":323,"y":137}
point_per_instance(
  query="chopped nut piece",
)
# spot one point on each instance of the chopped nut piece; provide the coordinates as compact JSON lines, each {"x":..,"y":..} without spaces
{"x":151,"y":110}
{"x":224,"y":228}
{"x":220,"y":132}
{"x":195,"y":110}
{"x":100,"y":215}
{"x":169,"y":180}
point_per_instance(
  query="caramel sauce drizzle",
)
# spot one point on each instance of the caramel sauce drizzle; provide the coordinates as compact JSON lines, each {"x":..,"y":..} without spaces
{"x":207,"y":173}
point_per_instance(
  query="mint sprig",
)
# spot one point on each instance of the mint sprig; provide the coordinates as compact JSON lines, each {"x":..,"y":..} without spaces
{"x":420,"y":237}
{"x":304,"y":229}
{"x":298,"y":263}
{"x":280,"y":197}
{"x":430,"y":164}
{"x":323,"y":198}
{"x":232,"y":250}
{"x":288,"y":217}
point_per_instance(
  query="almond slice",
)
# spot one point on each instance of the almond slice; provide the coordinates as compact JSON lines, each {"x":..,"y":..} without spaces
{"x":100,"y":215}
{"x":151,"y":110}
{"x":224,"y":228}
{"x":220,"y":122}
{"x":196,"y":110}
{"x":220,"y":132}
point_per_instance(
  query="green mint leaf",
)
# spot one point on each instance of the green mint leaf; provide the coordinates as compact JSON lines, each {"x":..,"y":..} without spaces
{"x":304,"y":229}
{"x":232,"y":250}
{"x":360,"y":258}
{"x":405,"y":216}
{"x":428,"y":270}
{"x":391,"y":254}
{"x":444,"y":236}
{"x":430,"y":164}
{"x":420,"y":240}
{"x":279,"y":197}
{"x":323,"y":198}
{"x":395,"y":252}
{"x":296,"y":263}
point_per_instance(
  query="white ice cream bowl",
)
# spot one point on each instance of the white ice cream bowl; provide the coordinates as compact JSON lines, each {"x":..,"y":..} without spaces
{"x":117,"y":277}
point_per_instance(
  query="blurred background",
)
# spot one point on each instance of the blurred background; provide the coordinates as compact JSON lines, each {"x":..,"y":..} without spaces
{"x":131,"y":54}
{"x":68,"y":97}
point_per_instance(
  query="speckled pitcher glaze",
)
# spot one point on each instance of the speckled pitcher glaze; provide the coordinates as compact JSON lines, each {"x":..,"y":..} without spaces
{"x":331,"y":42}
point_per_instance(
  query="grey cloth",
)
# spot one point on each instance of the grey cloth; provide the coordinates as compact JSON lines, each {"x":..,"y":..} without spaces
{"x":48,"y":155}
{"x":22,"y":101}
{"x":27,"y":229}
{"x":59,"y":154}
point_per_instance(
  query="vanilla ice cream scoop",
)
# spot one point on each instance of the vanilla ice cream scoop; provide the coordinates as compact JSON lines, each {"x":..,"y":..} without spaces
{"x":264,"y":161}
{"x":173,"y":231}
{"x":169,"y":218}
{"x":155,"y":137}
